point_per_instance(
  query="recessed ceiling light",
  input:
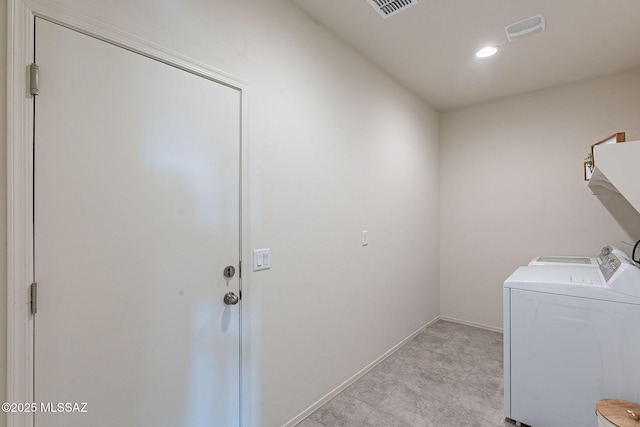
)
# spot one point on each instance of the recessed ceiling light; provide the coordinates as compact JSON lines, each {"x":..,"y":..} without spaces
{"x":487,"y":51}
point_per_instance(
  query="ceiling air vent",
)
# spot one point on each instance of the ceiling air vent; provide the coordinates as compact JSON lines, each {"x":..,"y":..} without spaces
{"x":525,"y":28}
{"x":387,"y":8}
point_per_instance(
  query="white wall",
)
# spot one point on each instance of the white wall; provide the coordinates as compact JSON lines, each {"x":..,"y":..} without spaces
{"x":512,"y":186}
{"x":334,"y":147}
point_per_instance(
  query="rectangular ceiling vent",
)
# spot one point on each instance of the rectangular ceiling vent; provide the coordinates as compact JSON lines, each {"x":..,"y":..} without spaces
{"x":524,"y":28}
{"x":387,"y":8}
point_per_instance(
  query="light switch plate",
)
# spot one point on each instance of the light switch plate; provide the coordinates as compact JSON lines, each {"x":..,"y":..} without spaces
{"x":365,"y":238}
{"x":261,"y":259}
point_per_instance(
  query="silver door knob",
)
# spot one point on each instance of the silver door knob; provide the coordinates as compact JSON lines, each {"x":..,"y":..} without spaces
{"x":231,"y":299}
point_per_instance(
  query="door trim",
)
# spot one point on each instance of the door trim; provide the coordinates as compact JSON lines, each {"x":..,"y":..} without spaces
{"x":20,"y":46}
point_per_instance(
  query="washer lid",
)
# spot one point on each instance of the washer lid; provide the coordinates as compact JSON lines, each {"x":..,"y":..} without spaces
{"x":564,"y":260}
{"x":556,"y":274}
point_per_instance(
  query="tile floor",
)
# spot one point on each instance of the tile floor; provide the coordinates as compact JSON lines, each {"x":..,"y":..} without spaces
{"x":449,"y":375}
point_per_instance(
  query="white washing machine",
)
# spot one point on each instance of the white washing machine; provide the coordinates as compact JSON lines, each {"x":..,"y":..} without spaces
{"x":571,"y":338}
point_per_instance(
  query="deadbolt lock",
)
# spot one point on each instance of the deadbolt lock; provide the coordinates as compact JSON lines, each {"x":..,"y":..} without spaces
{"x":229,"y":271}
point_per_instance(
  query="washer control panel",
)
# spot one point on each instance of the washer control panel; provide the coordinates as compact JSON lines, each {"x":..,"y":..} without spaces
{"x":619,"y":272}
{"x":604,"y":252}
{"x":609,"y":264}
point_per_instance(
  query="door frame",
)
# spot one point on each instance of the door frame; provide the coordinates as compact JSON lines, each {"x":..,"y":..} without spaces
{"x":20,"y":116}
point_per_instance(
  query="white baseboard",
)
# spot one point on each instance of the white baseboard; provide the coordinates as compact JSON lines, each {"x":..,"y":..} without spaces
{"x":468,"y":323}
{"x":333,"y":393}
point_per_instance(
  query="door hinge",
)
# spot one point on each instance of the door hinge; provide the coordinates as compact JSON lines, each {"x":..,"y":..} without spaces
{"x":33,"y":291}
{"x":34,"y":72}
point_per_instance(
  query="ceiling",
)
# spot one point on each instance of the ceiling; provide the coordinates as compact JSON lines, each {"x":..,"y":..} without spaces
{"x":430,"y":47}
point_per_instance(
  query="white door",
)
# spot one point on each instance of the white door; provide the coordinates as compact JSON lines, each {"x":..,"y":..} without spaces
{"x":137,"y":214}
